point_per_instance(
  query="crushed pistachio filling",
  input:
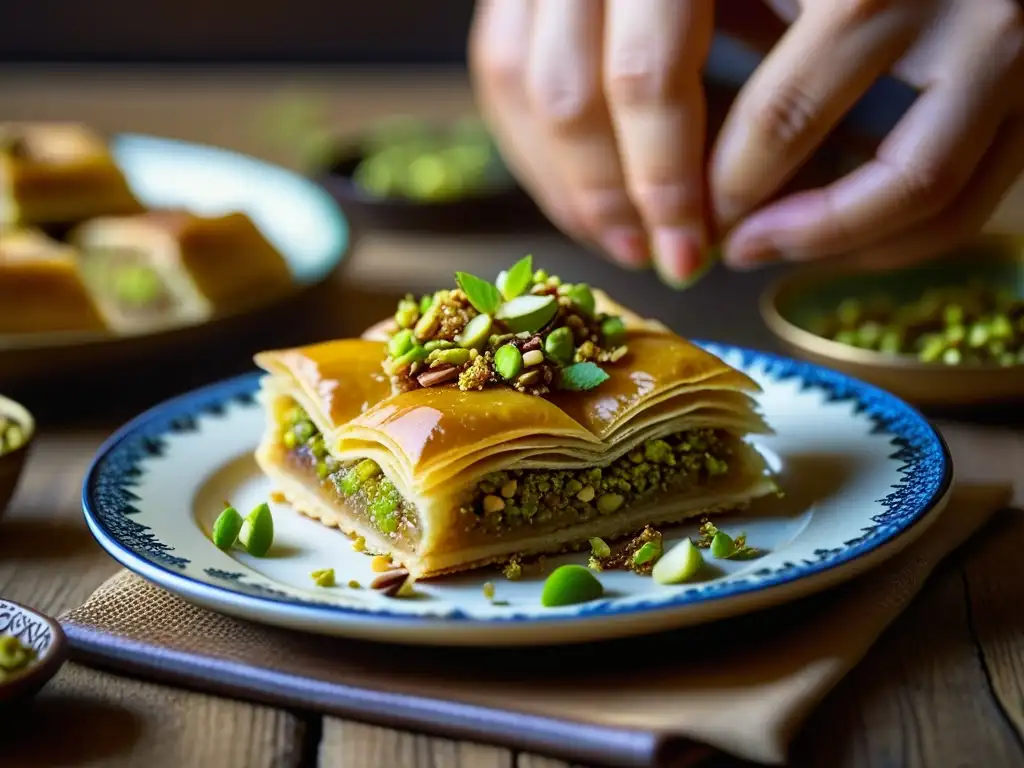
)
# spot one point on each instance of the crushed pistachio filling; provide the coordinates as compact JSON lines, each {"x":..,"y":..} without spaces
{"x":528,"y":330}
{"x":123,"y":276}
{"x":360,"y":484}
{"x":505,"y":500}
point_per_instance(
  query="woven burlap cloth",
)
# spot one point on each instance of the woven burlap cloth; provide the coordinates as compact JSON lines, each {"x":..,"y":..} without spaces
{"x":743,"y":686}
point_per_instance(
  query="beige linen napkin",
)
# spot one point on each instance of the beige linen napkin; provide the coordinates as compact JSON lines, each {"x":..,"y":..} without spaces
{"x":743,"y":686}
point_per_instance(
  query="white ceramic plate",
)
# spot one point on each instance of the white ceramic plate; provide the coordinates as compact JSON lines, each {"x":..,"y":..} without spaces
{"x":864,"y":475}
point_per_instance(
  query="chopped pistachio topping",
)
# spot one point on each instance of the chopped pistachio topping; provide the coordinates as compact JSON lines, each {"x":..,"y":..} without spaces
{"x":528,"y":330}
{"x":510,"y":499}
{"x":513,"y":570}
{"x":360,"y":483}
{"x":949,"y":325}
{"x":489,"y":590}
{"x":14,"y":656}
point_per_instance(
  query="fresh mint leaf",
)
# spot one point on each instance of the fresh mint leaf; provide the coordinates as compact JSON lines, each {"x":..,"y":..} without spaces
{"x":513,"y":282}
{"x":580,"y":377}
{"x":481,"y":294}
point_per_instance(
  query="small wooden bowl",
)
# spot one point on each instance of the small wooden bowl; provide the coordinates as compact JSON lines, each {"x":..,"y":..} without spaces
{"x":788,"y":306}
{"x":39,"y":632}
{"x":11,"y":464}
{"x":505,"y":207}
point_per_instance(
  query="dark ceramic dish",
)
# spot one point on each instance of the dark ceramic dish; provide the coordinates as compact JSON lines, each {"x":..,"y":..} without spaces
{"x":504,"y":208}
{"x":42,"y":634}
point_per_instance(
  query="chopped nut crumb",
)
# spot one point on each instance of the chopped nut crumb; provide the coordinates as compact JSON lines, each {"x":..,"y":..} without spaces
{"x":353,"y":584}
{"x":278,"y":497}
{"x":359,"y":545}
{"x":513,"y":570}
{"x":489,"y":590}
{"x":381,"y":563}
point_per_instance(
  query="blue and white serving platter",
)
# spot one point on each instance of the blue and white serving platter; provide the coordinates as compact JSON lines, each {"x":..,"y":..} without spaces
{"x":864,"y":475}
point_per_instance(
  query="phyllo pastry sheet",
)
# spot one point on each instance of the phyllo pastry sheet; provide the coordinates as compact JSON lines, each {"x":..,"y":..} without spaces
{"x":629,"y":428}
{"x":58,"y":174}
{"x":166,"y":267}
{"x":41,"y":289}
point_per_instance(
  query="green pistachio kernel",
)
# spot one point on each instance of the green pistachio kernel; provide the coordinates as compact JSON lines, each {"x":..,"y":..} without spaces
{"x":1001,"y":327}
{"x":415,"y":355}
{"x":290,"y":440}
{"x":408,"y":313}
{"x":428,"y":323}
{"x":722,"y":545}
{"x":613,"y":330}
{"x":455,"y":357}
{"x":401,"y":343}
{"x":931,"y":349}
{"x":715,"y":465}
{"x":540,"y":276}
{"x":137,"y":285}
{"x":582,"y":297}
{"x":323,"y":577}
{"x":435,"y":344}
{"x":525,"y":314}
{"x":569,"y":585}
{"x":952,"y":357}
{"x":600,"y":548}
{"x":559,"y":345}
{"x":476,"y":332}
{"x":508,"y":362}
{"x":425,"y":302}
{"x":303,"y":430}
{"x":648,"y":552}
{"x":679,"y":564}
{"x":226,"y":528}
{"x":358,"y":475}
{"x":257,"y":531}
{"x":609,"y":502}
{"x":978,"y":336}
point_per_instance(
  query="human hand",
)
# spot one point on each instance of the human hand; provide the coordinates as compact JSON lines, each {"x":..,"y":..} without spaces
{"x":597,"y":106}
{"x":936,"y":178}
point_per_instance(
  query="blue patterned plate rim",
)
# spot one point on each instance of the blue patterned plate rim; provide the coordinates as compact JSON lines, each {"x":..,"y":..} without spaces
{"x":914,"y":439}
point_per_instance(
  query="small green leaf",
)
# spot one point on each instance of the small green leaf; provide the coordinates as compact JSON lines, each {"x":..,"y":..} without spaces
{"x":582,"y":376}
{"x":482,"y":295}
{"x":517,"y":279}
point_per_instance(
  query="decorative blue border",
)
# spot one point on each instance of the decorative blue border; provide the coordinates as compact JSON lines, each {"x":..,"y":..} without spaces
{"x":109,"y":501}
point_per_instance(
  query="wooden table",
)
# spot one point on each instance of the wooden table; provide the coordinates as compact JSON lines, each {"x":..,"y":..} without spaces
{"x":944,"y":687}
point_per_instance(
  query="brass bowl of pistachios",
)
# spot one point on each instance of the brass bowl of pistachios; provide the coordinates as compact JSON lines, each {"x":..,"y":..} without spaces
{"x":17,"y":427}
{"x":944,"y":334}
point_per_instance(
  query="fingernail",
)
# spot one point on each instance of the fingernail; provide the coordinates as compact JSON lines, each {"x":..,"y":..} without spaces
{"x":752,"y":254}
{"x":678,"y":255}
{"x":628,"y":246}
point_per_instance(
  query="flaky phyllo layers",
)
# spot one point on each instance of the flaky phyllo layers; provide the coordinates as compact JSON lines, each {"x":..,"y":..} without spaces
{"x":445,"y":479}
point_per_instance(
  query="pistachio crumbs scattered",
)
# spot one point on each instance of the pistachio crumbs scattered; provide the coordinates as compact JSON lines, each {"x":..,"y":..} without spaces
{"x":323,"y":577}
{"x":722,"y":545}
{"x":638,"y":555}
{"x":359,"y":545}
{"x":527,"y":330}
{"x":489,"y":590}
{"x":381,"y":563}
{"x":513,"y":570}
{"x":353,"y":584}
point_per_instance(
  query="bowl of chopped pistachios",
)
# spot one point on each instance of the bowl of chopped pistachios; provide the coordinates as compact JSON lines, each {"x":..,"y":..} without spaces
{"x":17,"y":428}
{"x":32,"y":648}
{"x":946,"y":333}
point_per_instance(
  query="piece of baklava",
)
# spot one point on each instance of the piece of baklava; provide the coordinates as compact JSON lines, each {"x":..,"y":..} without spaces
{"x":41,"y":289}
{"x":507,"y":420}
{"x":163,"y":268}
{"x":58,"y":174}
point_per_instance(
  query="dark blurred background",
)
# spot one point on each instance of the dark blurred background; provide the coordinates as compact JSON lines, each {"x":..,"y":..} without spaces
{"x":380,"y":31}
